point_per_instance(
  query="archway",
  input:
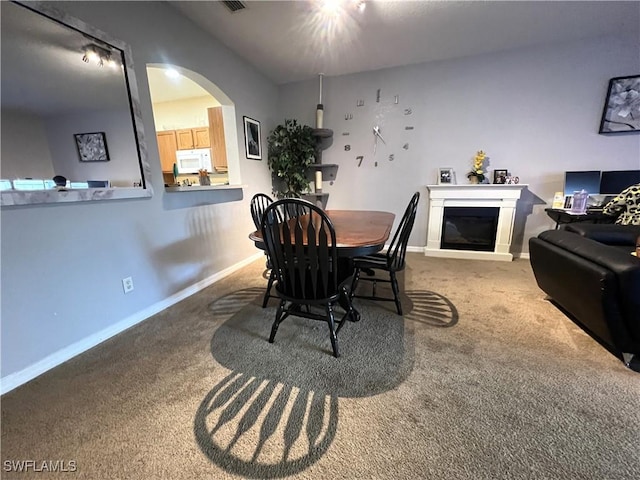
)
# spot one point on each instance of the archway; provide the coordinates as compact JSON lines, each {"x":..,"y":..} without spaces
{"x":187,"y":105}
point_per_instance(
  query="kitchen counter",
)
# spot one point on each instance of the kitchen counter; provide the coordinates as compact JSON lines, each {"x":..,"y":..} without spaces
{"x":200,"y":188}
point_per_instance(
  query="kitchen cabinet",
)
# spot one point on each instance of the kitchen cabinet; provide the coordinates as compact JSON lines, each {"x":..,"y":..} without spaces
{"x":216,"y":135}
{"x":167,"y":146}
{"x":190,"y":138}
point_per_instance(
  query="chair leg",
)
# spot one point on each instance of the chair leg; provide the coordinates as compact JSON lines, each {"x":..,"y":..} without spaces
{"x":346,"y":302}
{"x":332,"y":331}
{"x":396,"y":291}
{"x":350,"y":313}
{"x":276,"y":323}
{"x":354,"y":282}
{"x":267,"y":294}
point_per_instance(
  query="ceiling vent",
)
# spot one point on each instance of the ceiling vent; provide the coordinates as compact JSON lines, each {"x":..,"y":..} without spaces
{"x":234,"y":6}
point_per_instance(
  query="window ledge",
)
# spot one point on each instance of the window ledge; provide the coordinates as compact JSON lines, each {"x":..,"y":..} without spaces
{"x":35,"y":197}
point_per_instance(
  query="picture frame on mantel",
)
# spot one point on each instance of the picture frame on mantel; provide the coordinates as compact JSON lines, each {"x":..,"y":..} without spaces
{"x":446,"y":176}
{"x":92,"y":147}
{"x":252,"y":143}
{"x":621,"y":113}
{"x":500,"y":177}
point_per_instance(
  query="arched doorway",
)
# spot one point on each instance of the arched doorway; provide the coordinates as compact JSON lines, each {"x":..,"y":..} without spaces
{"x":192,"y":113}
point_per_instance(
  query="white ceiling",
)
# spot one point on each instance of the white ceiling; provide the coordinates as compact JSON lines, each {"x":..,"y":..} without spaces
{"x":291,"y":41}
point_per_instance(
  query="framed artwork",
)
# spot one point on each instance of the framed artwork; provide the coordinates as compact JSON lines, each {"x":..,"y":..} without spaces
{"x":446,"y":176}
{"x":500,"y":176}
{"x":621,"y":112}
{"x":252,"y":138}
{"x":92,"y":147}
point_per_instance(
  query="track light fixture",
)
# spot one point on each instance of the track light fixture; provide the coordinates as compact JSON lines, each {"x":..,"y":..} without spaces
{"x":98,"y":55}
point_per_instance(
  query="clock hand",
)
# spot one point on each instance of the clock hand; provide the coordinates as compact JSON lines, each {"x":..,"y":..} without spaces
{"x":376,"y":132}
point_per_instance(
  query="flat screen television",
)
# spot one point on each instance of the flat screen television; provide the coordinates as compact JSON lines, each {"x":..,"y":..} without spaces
{"x":588,"y":181}
{"x":613,"y":182}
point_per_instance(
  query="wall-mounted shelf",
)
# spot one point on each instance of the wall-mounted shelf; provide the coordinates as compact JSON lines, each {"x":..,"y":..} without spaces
{"x":320,"y":199}
{"x":324,"y":139}
{"x":329,"y":170}
{"x":312,"y":195}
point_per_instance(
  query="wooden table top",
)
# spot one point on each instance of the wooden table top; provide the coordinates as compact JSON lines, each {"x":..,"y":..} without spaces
{"x":358,"y":232}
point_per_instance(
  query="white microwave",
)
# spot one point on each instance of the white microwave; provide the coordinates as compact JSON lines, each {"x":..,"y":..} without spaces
{"x":191,"y":161}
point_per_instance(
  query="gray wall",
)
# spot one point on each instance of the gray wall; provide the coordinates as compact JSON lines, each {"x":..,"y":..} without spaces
{"x":116,"y":125}
{"x":41,"y":147}
{"x":25,"y":148}
{"x":62,"y":264}
{"x":535,"y":111}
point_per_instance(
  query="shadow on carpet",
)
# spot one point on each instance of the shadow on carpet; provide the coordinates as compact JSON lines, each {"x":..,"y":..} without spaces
{"x":277,"y":412}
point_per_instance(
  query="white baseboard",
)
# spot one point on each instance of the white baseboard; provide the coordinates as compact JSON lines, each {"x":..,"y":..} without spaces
{"x":16,"y":379}
{"x":521,"y":255}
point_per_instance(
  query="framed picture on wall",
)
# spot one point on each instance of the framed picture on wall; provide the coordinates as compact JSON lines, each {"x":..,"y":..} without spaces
{"x":92,"y":147}
{"x":446,"y":176}
{"x":252,"y":138}
{"x":621,"y":112}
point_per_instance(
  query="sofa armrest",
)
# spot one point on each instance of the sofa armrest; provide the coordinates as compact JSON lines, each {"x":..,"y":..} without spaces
{"x":607,"y":233}
{"x":624,"y":266}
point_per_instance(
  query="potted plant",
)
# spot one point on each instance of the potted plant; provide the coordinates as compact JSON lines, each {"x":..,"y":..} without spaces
{"x":292,"y":148}
{"x":476,"y":175}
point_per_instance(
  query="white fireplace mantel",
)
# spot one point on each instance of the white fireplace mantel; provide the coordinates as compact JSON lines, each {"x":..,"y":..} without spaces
{"x":481,"y":195}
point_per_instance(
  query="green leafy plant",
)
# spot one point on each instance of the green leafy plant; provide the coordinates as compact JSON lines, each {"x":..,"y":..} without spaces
{"x":292,"y":148}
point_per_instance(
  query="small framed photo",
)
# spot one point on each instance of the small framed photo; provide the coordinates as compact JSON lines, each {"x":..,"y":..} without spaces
{"x":446,"y":176}
{"x":92,"y":147}
{"x":621,"y":112}
{"x":252,"y":138}
{"x":500,"y":176}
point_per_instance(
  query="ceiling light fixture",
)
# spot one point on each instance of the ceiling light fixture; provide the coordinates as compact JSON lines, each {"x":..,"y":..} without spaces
{"x":171,"y":73}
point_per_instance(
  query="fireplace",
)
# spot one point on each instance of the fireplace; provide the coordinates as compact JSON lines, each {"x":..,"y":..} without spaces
{"x":469,"y":228}
{"x":472,"y":221}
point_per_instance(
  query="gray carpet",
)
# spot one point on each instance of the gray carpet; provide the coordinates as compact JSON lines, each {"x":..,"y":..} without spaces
{"x":481,"y":379}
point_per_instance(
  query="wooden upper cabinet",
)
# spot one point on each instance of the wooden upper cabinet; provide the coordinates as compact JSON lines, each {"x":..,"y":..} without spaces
{"x":218,"y":144}
{"x":190,"y":138}
{"x":201,"y":137}
{"x":167,"y":146}
{"x":185,"y":139}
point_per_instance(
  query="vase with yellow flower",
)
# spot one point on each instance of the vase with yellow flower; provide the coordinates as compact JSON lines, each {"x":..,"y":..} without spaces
{"x":476,"y":175}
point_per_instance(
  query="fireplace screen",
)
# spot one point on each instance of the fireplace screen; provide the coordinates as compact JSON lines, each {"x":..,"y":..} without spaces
{"x":469,"y":228}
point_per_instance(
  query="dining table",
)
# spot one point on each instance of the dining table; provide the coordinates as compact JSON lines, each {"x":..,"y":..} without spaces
{"x":358,"y":232}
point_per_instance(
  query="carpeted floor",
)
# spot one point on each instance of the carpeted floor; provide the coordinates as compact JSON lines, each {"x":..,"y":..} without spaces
{"x":481,"y":379}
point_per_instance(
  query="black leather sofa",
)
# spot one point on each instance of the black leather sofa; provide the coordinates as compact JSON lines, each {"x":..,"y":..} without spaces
{"x":588,"y":271}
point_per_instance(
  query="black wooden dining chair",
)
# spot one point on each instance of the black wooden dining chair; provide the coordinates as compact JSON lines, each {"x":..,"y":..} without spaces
{"x":259,"y":204}
{"x":301,"y":242}
{"x":391,"y":261}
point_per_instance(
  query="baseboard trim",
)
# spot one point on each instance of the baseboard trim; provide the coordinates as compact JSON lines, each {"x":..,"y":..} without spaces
{"x":21,"y":377}
{"x":521,"y":255}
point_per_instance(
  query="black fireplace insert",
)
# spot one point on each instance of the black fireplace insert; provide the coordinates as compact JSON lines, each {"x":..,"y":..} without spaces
{"x":470,"y":228}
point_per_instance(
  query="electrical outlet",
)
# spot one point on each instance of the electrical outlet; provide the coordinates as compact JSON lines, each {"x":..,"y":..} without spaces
{"x":127,"y":284}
